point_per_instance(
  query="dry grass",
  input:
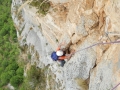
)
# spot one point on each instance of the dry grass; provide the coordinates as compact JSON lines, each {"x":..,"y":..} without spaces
{"x":82,"y":83}
{"x":42,"y":6}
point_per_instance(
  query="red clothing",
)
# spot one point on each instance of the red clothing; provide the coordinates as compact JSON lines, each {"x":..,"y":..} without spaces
{"x":62,"y":57}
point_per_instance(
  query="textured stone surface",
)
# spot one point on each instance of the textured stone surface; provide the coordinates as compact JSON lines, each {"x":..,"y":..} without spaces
{"x":105,"y":76}
{"x":79,"y":23}
{"x":80,"y":28}
{"x":79,"y":66}
{"x":112,"y":10}
{"x":59,"y":1}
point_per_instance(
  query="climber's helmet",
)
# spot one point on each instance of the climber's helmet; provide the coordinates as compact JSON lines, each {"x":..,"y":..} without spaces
{"x":59,"y":53}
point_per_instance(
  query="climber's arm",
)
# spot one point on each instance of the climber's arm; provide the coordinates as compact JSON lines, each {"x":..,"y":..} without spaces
{"x":68,"y":56}
{"x":62,"y":57}
{"x":59,"y":47}
{"x":65,"y":57}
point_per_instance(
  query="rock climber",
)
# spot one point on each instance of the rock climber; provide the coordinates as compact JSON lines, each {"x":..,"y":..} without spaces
{"x":60,"y":55}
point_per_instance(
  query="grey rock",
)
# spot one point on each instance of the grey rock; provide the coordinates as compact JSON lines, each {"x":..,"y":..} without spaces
{"x":80,"y":28}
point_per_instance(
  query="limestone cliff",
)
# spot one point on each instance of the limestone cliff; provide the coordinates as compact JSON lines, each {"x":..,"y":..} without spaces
{"x":80,"y":23}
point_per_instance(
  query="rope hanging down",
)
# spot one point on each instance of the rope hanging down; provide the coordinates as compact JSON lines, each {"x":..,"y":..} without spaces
{"x":97,"y":44}
{"x":101,"y":44}
{"x":116,"y":86}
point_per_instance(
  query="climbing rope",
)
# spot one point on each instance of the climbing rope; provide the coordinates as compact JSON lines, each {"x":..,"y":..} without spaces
{"x":97,"y":44}
{"x":116,"y":86}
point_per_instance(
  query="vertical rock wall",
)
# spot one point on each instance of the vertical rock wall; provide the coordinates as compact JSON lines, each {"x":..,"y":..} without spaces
{"x":80,"y":23}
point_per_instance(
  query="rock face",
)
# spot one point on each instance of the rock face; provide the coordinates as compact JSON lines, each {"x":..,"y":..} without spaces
{"x":79,"y":23}
{"x":59,"y":1}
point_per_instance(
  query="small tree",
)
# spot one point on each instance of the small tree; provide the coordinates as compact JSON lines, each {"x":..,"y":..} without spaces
{"x":12,"y":73}
{"x":5,"y":77}
{"x":16,"y":81}
{"x":12,"y":66}
{"x":1,"y":69}
{"x":20,"y":71}
{"x":4,"y":63}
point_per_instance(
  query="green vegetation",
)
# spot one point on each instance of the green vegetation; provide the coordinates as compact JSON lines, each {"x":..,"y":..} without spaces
{"x":12,"y":62}
{"x":29,"y":56}
{"x":42,"y":6}
{"x":10,"y":72}
{"x":56,"y":40}
{"x":35,"y":79}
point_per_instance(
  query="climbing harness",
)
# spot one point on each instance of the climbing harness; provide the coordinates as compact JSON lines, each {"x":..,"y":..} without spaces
{"x":96,"y":44}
